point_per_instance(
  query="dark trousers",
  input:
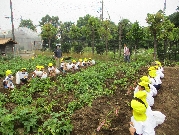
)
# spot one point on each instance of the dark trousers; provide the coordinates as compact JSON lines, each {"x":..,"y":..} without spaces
{"x":24,"y":80}
{"x":127,"y":58}
{"x":157,"y":86}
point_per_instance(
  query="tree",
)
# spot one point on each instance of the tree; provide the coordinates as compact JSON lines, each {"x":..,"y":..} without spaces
{"x":75,"y":34}
{"x":92,"y":30}
{"x":135,"y":34}
{"x":49,"y":32}
{"x":166,"y":33}
{"x":123,"y":27}
{"x":105,"y":33}
{"x":82,"y":21}
{"x":174,"y":18}
{"x":54,"y":20}
{"x":155,"y":25}
{"x":27,"y":23}
{"x":46,"y":24}
{"x":64,"y":29}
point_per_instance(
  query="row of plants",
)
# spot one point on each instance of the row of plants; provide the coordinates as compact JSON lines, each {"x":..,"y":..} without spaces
{"x":16,"y":63}
{"x":46,"y":107}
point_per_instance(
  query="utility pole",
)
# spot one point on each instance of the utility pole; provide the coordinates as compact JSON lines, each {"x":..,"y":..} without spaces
{"x":120,"y":34}
{"x":12,"y":21}
{"x":102,"y":10}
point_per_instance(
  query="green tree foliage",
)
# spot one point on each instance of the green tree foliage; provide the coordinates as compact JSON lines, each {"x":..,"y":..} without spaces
{"x":27,"y":23}
{"x":54,"y":20}
{"x":125,"y":26}
{"x":174,"y":18}
{"x":135,"y":34}
{"x":49,"y":32}
{"x":75,"y":34}
{"x":83,"y":21}
{"x":105,"y":33}
{"x":92,"y":30}
{"x":49,"y":39}
{"x":64,"y":30}
{"x":155,"y":24}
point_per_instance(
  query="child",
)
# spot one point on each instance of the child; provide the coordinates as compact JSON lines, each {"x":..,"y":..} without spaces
{"x":50,"y":67}
{"x":157,"y":63}
{"x":23,"y":74}
{"x":7,"y":82}
{"x":44,"y":74}
{"x":156,"y":117}
{"x":154,"y":79}
{"x":37,"y":72}
{"x":153,"y":90}
{"x":143,"y":86}
{"x":140,"y":122}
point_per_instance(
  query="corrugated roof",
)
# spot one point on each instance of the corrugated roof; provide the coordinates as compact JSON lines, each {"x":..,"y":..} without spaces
{"x":6,"y":40}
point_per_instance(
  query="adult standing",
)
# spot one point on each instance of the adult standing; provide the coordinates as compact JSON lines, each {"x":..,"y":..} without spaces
{"x":126,"y":53}
{"x":58,"y":55}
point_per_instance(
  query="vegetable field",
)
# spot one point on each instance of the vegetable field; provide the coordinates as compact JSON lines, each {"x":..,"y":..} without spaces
{"x":56,"y":107}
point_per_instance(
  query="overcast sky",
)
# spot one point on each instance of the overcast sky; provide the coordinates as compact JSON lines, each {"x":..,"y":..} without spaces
{"x":71,"y":10}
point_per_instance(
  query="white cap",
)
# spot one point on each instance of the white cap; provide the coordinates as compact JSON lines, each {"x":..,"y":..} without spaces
{"x":58,"y":44}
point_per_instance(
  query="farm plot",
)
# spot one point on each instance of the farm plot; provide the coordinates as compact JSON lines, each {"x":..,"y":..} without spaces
{"x":47,"y":107}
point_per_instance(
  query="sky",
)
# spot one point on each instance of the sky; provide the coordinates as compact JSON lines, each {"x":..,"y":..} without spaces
{"x":71,"y":10}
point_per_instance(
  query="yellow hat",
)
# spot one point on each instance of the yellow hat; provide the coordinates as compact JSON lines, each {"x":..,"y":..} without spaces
{"x":89,"y":58}
{"x":80,"y":60}
{"x":145,"y":79}
{"x":50,"y":64}
{"x":73,"y":61}
{"x":8,"y":72}
{"x":85,"y":59}
{"x":32,"y":58}
{"x":156,"y":67}
{"x":143,"y":96}
{"x":61,"y":59}
{"x":41,"y":67}
{"x":151,"y":68}
{"x":145,"y":85}
{"x":23,"y":68}
{"x":142,"y":83}
{"x":152,"y":73}
{"x":139,"y":110}
{"x":38,"y":67}
{"x":158,"y":63}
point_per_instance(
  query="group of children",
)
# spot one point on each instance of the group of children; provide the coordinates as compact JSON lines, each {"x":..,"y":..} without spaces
{"x":22,"y":76}
{"x":144,"y":120}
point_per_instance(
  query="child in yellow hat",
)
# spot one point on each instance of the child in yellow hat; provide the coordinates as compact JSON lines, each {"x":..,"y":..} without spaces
{"x":158,"y":63}
{"x":44,"y":73}
{"x":7,"y":82}
{"x":140,"y":122}
{"x":154,"y":117}
{"x":23,"y":75}
{"x":154,"y":79}
{"x":153,"y":90}
{"x":37,"y":72}
{"x":143,"y":86}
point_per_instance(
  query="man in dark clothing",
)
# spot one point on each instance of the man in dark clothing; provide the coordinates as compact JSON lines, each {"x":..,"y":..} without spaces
{"x":58,"y":55}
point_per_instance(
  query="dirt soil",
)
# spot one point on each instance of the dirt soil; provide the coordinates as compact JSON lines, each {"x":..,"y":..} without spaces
{"x":111,"y":114}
